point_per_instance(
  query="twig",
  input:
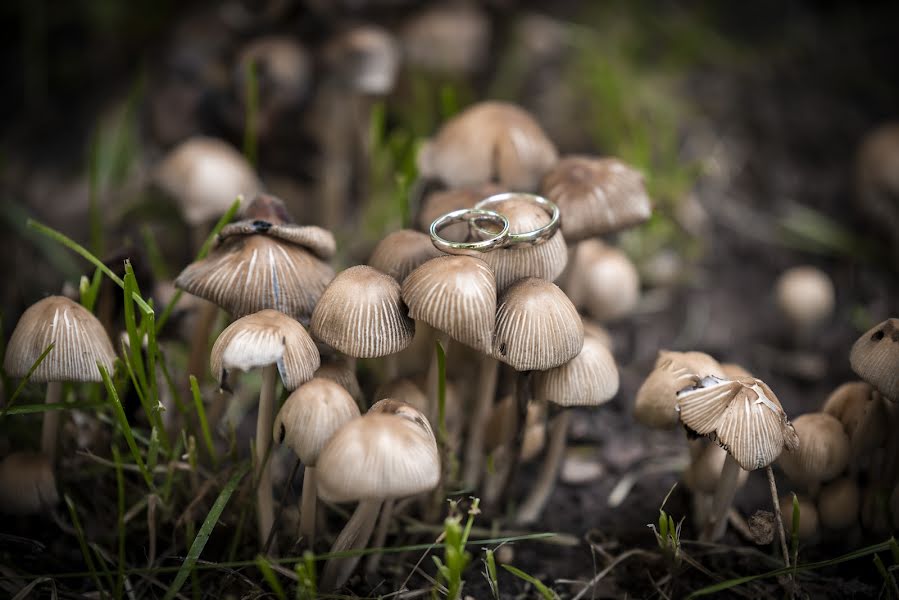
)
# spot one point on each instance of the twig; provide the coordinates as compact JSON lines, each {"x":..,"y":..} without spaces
{"x":777,"y":515}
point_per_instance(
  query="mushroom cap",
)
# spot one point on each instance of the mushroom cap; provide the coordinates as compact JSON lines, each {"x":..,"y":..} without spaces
{"x":27,"y":484}
{"x":698,"y":363}
{"x":205,"y":176}
{"x":877,"y":178}
{"x":862,"y":413}
{"x":743,"y":416}
{"x":247,"y":273}
{"x":456,"y":295}
{"x":596,"y":195}
{"x":79,"y":343}
{"x":704,"y":471}
{"x":596,"y":330}
{"x":284,"y":70}
{"x":448,"y":38}
{"x":537,"y":327}
{"x":733,"y":371}
{"x":656,"y":400}
{"x":311,"y":415}
{"x":489,"y":141}
{"x":379,"y":456}
{"x":808,"y":516}
{"x":603,"y":281}
{"x":317,"y":240}
{"x":366,"y":59}
{"x":404,"y":390}
{"x":341,"y":370}
{"x":823,"y":450}
{"x":401,"y":252}
{"x":588,"y":379}
{"x":511,"y":263}
{"x":805,"y":295}
{"x":361,"y":314}
{"x":261,"y":339}
{"x":440,"y":202}
{"x":838,"y":503}
{"x":875,"y":358}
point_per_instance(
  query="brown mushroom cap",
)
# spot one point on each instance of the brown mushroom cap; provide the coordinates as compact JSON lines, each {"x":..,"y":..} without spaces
{"x":283,"y":70}
{"x":79,"y":343}
{"x":361,"y":314}
{"x":862,"y":413}
{"x":365,"y":59}
{"x":455,"y":295}
{"x":596,"y":195}
{"x":489,"y":141}
{"x":838,"y":503}
{"x":603,"y":281}
{"x":588,"y":379}
{"x":27,"y":484}
{"x":654,"y":405}
{"x":743,"y":416}
{"x":805,"y":295}
{"x":448,"y":38}
{"x":261,"y":339}
{"x":875,"y":357}
{"x":823,"y":450}
{"x":401,"y":252}
{"x":595,"y":330}
{"x":537,"y":327}
{"x":311,"y":415}
{"x":698,"y":363}
{"x":808,"y":516}
{"x":341,"y":370}
{"x":734,"y":371}
{"x":271,"y":219}
{"x":441,"y":202}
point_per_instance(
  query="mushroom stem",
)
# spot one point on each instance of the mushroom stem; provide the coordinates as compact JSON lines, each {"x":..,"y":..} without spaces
{"x":50,"y":428}
{"x":533,"y":505}
{"x":307,"y":507}
{"x":374,"y":560}
{"x":264,"y":502}
{"x":775,"y":499}
{"x":480,"y":417}
{"x":724,"y":496}
{"x":355,"y":535}
{"x":522,"y":397}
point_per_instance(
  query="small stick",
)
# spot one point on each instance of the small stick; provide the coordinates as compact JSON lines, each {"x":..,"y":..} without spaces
{"x":780,"y":523}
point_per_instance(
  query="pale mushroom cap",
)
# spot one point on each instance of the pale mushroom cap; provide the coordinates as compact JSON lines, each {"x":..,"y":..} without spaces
{"x":311,"y":415}
{"x":603,"y":281}
{"x":441,"y":202}
{"x":361,"y":314}
{"x":27,"y":484}
{"x":734,"y":371}
{"x":838,"y":504}
{"x":367,"y":59}
{"x":402,"y":390}
{"x":698,"y":363}
{"x":862,"y":413}
{"x":588,"y":379}
{"x":875,"y":358}
{"x":79,"y":343}
{"x":595,"y":330}
{"x":537,"y":327}
{"x":805,"y":295}
{"x":378,"y":456}
{"x":265,"y":338}
{"x":455,"y":295}
{"x":596,"y":195}
{"x":248,"y":273}
{"x":451,"y":38}
{"x":823,"y":450}
{"x":743,"y":416}
{"x":704,"y":471}
{"x":281,"y":62}
{"x":656,"y":400}
{"x":489,"y":141}
{"x":546,"y":260}
{"x":401,"y":252}
{"x":317,"y":240}
{"x":808,"y":516}
{"x":205,"y":176}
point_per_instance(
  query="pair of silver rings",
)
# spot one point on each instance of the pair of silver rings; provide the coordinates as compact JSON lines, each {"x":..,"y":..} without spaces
{"x":496,"y":238}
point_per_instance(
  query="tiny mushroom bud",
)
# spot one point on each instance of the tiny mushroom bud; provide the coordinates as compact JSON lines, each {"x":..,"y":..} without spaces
{"x":806,"y":296}
{"x":27,"y":484}
{"x":863,"y":414}
{"x":603,"y":281}
{"x":823,"y":450}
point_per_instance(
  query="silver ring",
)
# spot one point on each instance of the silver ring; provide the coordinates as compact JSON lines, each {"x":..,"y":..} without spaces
{"x":530,"y":238}
{"x":470,"y":216}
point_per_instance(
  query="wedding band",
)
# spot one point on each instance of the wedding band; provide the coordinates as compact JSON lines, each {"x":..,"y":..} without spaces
{"x":530,"y":238}
{"x":470,"y":216}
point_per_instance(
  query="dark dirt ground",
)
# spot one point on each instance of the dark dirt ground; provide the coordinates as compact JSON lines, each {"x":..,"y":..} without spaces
{"x":780,"y":129}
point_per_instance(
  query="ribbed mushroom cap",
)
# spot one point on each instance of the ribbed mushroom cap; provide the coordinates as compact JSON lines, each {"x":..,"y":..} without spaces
{"x":261,"y":339}
{"x":79,"y":343}
{"x":823,"y":450}
{"x":704,"y":471}
{"x":283,"y":71}
{"x":596,"y":195}
{"x":379,"y":456}
{"x":401,"y":252}
{"x":362,"y":314}
{"x":365,"y":59}
{"x":537,"y":327}
{"x":805,"y":295}
{"x":603,"y":281}
{"x":489,"y":141}
{"x":205,"y":176}
{"x":588,"y":379}
{"x":449,"y":38}
{"x":511,"y":263}
{"x":654,"y":405}
{"x":455,"y":295}
{"x":743,"y":416}
{"x":402,"y":409}
{"x":441,"y":202}
{"x":838,"y":503}
{"x":862,"y":413}
{"x":698,"y":363}
{"x":341,"y":370}
{"x":875,"y":358}
{"x":311,"y":415}
{"x":808,"y":516}
{"x":27,"y":484}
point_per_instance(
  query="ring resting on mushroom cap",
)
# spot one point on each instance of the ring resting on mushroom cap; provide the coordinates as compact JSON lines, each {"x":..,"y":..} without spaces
{"x":471,"y":216}
{"x":527,"y":238}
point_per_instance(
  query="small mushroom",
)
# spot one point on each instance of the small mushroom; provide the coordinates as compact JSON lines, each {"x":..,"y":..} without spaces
{"x":603,"y":281}
{"x":805,"y":295}
{"x":656,"y":400}
{"x":27,"y":484}
{"x":440,"y":202}
{"x":838,"y":504}
{"x":451,"y":38}
{"x":401,"y":252}
{"x":823,"y":450}
{"x":875,"y":358}
{"x":863,"y":414}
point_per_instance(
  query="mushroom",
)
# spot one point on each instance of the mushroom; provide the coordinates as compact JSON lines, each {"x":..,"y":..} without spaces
{"x":656,"y":400}
{"x":603,"y":281}
{"x":388,"y":453}
{"x":588,"y":379}
{"x":305,"y":423}
{"x":342,"y":370}
{"x":863,"y":414}
{"x":838,"y":504}
{"x":449,"y":38}
{"x":875,"y":358}
{"x":401,"y":252}
{"x":745,"y":418}
{"x":280,"y":346}
{"x":823,"y":451}
{"x":805,"y":295}
{"x":441,"y":202}
{"x":734,"y":371}
{"x":27,"y":484}
{"x":703,"y":475}
{"x":79,"y":343}
{"x":877,"y":185}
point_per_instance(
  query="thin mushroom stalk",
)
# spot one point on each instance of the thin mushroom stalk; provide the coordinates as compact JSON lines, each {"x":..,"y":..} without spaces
{"x":308,"y":507}
{"x":354,"y":536}
{"x":474,"y":449}
{"x":50,"y":426}
{"x":724,"y":497}
{"x":772,"y":484}
{"x":374,"y":560}
{"x":522,"y":397}
{"x":533,"y":505}
{"x":264,"y":501}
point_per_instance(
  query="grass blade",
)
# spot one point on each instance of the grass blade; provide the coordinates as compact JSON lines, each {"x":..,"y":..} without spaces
{"x":203,"y":535}
{"x":547,"y":593}
{"x":270,"y":578}
{"x":30,"y":409}
{"x":120,"y":521}
{"x":201,"y":416}
{"x":85,"y":551}
{"x":126,"y":428}
{"x":15,"y":394}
